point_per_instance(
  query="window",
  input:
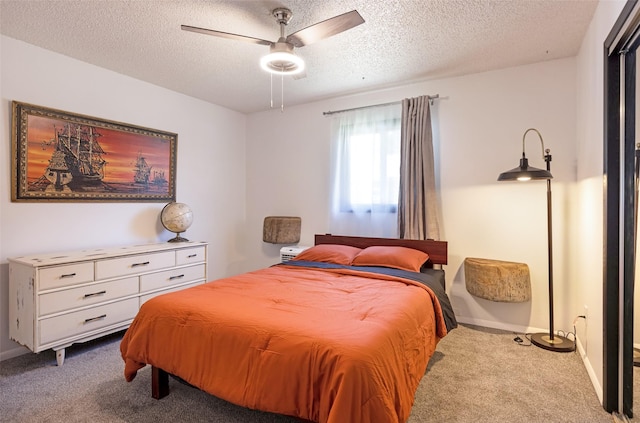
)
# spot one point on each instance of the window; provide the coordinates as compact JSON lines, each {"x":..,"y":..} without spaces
{"x":372,"y":171}
{"x":366,"y":171}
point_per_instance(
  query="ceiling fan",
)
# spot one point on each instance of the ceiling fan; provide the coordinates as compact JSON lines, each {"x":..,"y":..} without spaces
{"x":281,"y":59}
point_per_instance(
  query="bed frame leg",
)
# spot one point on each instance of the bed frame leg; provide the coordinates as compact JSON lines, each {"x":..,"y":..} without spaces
{"x":159,"y":383}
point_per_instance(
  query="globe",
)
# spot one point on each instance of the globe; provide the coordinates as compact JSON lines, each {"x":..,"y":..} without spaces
{"x":176,"y":218}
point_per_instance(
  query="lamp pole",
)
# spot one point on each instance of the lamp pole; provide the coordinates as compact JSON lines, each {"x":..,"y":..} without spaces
{"x":547,"y":159}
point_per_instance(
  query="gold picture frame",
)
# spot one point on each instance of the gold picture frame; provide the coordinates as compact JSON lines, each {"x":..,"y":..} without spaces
{"x":63,"y":156}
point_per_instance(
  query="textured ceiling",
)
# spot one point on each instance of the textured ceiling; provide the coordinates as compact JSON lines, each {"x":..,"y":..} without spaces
{"x":400,"y":41}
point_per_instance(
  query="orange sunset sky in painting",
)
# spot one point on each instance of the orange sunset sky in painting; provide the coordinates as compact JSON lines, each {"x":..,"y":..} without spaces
{"x":121,"y":150}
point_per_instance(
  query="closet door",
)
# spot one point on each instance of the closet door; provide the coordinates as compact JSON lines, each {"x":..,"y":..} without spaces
{"x":620,"y":200}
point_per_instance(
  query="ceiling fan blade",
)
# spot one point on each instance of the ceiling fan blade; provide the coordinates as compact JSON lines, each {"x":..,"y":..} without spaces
{"x":325,"y":29}
{"x":225,"y":35}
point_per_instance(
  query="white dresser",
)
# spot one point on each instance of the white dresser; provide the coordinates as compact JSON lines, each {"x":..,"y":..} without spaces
{"x":59,"y":299}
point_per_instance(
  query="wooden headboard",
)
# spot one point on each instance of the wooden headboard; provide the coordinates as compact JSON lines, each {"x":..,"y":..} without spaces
{"x":437,"y":250}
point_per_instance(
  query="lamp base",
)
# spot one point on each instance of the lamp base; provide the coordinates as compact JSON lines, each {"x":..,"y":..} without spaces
{"x":557,"y":344}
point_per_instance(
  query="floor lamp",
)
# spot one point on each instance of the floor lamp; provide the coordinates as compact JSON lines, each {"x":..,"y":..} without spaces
{"x":524,"y":172}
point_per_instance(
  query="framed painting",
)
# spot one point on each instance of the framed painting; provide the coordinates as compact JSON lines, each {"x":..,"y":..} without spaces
{"x":62,"y":156}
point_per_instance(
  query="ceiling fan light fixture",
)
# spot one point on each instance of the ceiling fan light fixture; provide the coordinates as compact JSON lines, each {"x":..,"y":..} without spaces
{"x":282,"y":60}
{"x":282,"y":63}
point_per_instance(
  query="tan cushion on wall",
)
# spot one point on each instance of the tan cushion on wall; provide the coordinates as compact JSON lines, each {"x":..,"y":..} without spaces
{"x":497,"y":280}
{"x":281,"y":229}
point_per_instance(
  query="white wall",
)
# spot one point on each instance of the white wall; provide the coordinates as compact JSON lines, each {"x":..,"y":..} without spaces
{"x":480,"y":120}
{"x":587,"y":235}
{"x":211,"y":150}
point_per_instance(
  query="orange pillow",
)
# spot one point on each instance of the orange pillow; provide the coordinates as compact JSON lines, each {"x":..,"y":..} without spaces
{"x":388,"y":256}
{"x":329,"y":253}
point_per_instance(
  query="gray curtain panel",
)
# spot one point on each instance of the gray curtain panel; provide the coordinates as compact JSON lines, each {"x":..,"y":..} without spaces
{"x":417,"y":202}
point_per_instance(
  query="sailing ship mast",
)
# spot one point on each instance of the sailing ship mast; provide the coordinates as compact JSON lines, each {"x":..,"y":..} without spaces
{"x":77,"y":149}
{"x":143,"y":170}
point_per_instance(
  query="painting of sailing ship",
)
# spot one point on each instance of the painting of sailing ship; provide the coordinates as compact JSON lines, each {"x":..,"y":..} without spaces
{"x":64,"y":156}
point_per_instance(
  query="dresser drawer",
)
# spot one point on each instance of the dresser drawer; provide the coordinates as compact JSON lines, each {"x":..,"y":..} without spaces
{"x":190,"y":255}
{"x":70,"y":274}
{"x":79,"y":322}
{"x":145,"y":298}
{"x":171,"y":277}
{"x":86,"y":295}
{"x":134,"y":264}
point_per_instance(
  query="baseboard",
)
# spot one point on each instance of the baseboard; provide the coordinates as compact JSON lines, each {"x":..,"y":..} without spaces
{"x":498,"y":325}
{"x":14,"y":352}
{"x":592,"y":374}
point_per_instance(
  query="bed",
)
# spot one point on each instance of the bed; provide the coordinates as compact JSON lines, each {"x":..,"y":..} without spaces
{"x":342,"y":333}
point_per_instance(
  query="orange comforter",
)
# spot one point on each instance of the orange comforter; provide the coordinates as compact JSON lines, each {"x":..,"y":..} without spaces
{"x":324,"y":345}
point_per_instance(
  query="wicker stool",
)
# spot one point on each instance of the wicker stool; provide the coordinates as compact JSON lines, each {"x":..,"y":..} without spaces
{"x":497,"y":280}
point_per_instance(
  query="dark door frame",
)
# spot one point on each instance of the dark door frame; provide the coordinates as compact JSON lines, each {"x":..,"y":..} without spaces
{"x":619,"y":226}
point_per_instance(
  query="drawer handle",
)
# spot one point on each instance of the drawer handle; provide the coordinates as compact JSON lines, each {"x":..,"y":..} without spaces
{"x":140,"y":264}
{"x":176,"y":277}
{"x":68,"y":275}
{"x":192,"y":255}
{"x":94,"y":294}
{"x":93,"y":319}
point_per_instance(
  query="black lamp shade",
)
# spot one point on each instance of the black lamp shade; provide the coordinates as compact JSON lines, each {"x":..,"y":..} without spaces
{"x":524,"y":172}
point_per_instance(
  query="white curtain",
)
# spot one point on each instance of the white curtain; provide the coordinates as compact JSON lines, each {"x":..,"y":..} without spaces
{"x":365,"y":171}
{"x":418,"y":200}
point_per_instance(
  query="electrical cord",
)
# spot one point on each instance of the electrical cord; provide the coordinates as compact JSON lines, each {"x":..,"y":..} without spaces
{"x":575,"y":338}
{"x":566,"y":334}
{"x":520,"y":339}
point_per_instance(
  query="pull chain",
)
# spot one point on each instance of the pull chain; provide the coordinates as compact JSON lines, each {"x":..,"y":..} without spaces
{"x":281,"y":91}
{"x":271,"y":76}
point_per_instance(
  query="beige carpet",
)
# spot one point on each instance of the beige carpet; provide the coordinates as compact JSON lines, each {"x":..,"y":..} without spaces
{"x":476,"y":375}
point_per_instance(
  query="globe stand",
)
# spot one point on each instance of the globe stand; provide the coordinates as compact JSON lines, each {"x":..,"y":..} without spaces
{"x":178,"y":238}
